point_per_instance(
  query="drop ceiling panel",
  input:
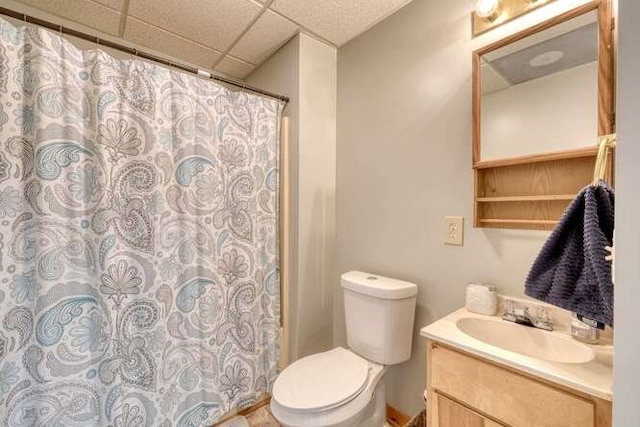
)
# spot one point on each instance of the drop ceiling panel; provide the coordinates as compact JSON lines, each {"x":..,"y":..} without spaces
{"x":171,"y":44}
{"x":213,"y":23}
{"x":113,"y":4}
{"x":265,"y":36}
{"x":574,"y":48}
{"x":234,"y":67}
{"x":337,"y":20}
{"x":202,"y":32}
{"x":85,"y":12}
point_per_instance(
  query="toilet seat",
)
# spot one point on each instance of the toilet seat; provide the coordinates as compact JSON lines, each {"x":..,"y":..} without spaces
{"x":321,"y":381}
{"x":337,"y":410}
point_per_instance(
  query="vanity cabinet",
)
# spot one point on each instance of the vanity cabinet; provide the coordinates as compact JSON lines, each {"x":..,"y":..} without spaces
{"x":451,"y":413}
{"x":466,"y":390}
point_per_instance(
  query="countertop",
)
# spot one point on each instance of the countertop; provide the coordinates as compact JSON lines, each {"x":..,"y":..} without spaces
{"x":594,"y":377}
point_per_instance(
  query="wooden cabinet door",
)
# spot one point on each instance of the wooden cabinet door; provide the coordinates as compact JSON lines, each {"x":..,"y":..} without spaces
{"x":505,"y":395}
{"x":452,"y":414}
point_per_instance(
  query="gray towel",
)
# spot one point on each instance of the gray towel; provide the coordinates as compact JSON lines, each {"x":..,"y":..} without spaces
{"x":570,"y":271}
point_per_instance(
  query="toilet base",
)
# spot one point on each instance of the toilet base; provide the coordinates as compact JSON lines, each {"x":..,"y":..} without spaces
{"x":372,"y":415}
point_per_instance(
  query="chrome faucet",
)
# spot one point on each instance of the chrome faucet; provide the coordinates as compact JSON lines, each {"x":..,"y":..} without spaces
{"x":540,"y":321}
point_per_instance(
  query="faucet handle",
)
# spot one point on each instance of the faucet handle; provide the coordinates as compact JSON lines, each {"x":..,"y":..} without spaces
{"x":542,"y":319}
{"x":542,"y":314}
{"x":509,"y":311}
{"x":509,"y":306}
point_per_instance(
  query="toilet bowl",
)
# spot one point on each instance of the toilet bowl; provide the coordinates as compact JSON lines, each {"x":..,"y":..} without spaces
{"x":345,"y":387}
{"x":335,"y":388}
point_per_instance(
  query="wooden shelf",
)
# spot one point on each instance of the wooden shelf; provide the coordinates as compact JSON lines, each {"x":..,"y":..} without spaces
{"x":550,"y":197}
{"x":530,"y":195}
{"x":575,"y":153}
{"x":518,"y":221}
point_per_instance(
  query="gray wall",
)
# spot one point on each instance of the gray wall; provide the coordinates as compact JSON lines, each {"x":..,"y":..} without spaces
{"x":305,"y":70}
{"x":316,"y":196}
{"x":626,"y":384}
{"x":404,"y":162}
{"x":280,"y":74}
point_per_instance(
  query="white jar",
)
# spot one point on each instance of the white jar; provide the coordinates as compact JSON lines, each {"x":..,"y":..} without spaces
{"x":482,"y":299}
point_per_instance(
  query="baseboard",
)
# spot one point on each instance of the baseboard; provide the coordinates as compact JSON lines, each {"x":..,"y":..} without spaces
{"x":255,"y":406}
{"x":395,"y":418}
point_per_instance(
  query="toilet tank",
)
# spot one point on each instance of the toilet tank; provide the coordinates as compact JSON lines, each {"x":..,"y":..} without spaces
{"x":379,"y":315}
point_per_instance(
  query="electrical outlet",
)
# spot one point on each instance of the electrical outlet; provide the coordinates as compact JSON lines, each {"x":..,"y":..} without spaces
{"x":454,"y":230}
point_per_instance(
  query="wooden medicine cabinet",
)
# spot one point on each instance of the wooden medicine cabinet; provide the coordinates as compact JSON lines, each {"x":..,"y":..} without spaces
{"x":541,"y":99}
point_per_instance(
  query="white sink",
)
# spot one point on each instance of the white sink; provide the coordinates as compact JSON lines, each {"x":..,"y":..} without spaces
{"x":525,"y":340}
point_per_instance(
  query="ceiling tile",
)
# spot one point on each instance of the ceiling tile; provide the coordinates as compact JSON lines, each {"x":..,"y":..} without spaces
{"x":234,"y":67}
{"x":113,"y":4}
{"x":265,"y":36}
{"x":85,"y":12}
{"x":171,"y":44}
{"x":214,"y":23}
{"x":337,"y":20}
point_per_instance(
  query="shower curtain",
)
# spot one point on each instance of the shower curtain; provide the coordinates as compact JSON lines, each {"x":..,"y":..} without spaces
{"x":138,"y":240}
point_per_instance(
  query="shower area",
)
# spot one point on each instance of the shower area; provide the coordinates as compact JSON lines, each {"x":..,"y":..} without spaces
{"x":139,"y":239}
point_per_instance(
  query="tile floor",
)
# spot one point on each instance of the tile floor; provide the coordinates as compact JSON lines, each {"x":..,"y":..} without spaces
{"x":262,"y":417}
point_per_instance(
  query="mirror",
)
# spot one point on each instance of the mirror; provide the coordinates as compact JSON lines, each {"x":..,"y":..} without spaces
{"x":541,"y":99}
{"x":538,"y":92}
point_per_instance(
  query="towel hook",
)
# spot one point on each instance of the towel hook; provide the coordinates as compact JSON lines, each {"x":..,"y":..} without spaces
{"x":606,"y":143}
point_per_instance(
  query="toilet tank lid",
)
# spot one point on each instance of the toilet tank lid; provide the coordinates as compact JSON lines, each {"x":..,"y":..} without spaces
{"x":377,"y":286}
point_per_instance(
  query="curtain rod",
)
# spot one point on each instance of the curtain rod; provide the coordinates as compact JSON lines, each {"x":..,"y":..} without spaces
{"x":145,"y":55}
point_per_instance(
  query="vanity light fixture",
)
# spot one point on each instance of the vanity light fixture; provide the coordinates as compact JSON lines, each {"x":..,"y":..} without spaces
{"x":489,"y":14}
{"x":488,"y":9}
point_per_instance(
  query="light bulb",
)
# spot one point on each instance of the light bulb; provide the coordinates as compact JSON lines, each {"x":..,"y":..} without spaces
{"x":488,"y":9}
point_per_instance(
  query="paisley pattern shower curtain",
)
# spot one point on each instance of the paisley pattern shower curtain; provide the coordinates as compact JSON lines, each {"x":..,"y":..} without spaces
{"x":138,"y":240}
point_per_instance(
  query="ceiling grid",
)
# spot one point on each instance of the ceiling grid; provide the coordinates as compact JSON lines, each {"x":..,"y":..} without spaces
{"x":229,"y":36}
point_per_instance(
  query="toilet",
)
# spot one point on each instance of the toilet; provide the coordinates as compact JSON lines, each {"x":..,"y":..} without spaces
{"x":344,"y":386}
